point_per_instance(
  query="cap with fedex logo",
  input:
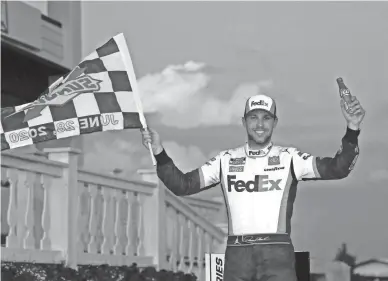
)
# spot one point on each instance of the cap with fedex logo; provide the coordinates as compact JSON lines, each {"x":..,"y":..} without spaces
{"x":261,"y":102}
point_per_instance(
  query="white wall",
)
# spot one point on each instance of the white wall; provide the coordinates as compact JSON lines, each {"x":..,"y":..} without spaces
{"x":40,"y":5}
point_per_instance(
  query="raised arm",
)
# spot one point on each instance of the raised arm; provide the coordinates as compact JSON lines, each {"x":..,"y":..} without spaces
{"x":308,"y":167}
{"x":181,"y":184}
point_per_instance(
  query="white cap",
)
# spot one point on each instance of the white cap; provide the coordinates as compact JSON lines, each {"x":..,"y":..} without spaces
{"x":261,"y":102}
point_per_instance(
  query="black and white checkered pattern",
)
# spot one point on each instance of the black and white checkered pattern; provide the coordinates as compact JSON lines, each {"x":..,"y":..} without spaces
{"x":111,"y":108}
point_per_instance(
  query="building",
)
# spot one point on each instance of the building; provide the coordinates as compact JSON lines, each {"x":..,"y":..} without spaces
{"x":371,"y":270}
{"x":40,"y":40}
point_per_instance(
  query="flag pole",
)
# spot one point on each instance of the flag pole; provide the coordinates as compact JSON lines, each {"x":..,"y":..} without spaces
{"x":132,"y":78}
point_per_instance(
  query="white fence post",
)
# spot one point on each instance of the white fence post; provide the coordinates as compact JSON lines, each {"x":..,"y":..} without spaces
{"x":155,"y":221}
{"x":63,"y":205}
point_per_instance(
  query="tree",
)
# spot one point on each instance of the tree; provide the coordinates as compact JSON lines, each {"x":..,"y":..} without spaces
{"x":344,"y":256}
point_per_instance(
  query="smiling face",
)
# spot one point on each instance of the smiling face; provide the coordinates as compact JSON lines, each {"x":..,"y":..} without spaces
{"x":259,"y":125}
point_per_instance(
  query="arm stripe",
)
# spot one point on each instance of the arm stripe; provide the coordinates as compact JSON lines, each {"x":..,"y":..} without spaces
{"x":201,"y":179}
{"x":316,"y":172}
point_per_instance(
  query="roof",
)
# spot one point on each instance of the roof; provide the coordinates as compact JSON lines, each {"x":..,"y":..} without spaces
{"x":373,"y":260}
{"x":372,"y":268}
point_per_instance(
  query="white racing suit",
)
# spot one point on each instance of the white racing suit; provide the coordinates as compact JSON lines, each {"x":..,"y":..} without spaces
{"x":259,"y":188}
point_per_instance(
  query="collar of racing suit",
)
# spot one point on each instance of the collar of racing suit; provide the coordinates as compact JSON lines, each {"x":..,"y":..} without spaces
{"x":258,"y":153}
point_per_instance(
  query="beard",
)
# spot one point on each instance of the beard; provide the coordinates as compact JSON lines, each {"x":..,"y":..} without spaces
{"x":260,"y":140}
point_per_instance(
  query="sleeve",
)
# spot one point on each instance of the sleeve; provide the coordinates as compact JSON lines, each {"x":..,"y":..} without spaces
{"x":182,"y":184}
{"x":309,"y":167}
{"x":211,"y":172}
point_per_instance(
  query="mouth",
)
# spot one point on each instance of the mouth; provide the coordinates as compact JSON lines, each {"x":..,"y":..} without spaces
{"x":259,"y":132}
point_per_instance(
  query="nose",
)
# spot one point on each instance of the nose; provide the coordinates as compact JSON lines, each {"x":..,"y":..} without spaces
{"x":259,"y":124}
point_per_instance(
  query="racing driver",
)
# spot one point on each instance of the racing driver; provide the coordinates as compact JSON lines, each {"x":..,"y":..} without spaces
{"x":259,"y":181}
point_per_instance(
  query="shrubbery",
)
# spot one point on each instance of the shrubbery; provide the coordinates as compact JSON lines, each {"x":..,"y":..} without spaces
{"x":58,"y":272}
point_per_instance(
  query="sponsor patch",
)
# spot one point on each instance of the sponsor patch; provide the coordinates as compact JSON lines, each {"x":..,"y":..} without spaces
{"x":237,"y":161}
{"x":259,"y":184}
{"x":260,"y":152}
{"x":211,"y":160}
{"x":256,"y":152}
{"x":285,"y":150}
{"x":273,"y":169}
{"x":274,"y":160}
{"x":236,"y":169}
{"x":258,"y":103}
{"x":304,"y":155}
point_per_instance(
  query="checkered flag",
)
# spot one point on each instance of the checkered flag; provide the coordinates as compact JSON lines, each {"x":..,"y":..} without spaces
{"x":99,"y":94}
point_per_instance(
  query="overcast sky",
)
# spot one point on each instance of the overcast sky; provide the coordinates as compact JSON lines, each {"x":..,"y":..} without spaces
{"x":196,"y":63}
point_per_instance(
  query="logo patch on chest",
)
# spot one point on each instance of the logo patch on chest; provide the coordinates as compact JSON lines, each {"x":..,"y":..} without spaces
{"x":259,"y":184}
{"x":236,"y":169}
{"x":274,"y":160}
{"x":237,"y":161}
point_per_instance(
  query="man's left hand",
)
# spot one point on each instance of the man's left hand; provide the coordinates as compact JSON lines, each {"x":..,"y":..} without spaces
{"x":355,"y":113}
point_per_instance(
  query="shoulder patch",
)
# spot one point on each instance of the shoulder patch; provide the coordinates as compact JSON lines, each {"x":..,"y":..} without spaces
{"x":304,"y":155}
{"x":209,"y":163}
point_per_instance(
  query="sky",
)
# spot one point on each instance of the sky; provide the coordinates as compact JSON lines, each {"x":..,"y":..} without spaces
{"x":197,"y":62}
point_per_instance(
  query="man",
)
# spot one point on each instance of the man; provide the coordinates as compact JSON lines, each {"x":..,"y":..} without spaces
{"x":259,"y":181}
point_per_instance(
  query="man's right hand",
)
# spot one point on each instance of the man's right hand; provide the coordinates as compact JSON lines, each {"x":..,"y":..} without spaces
{"x":151,"y":136}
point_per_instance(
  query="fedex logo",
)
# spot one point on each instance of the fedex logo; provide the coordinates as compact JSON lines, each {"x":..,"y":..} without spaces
{"x":259,"y":184}
{"x":255,"y":153}
{"x":253,"y":103}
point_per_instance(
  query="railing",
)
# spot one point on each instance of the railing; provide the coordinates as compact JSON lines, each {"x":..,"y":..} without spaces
{"x":57,"y":212}
{"x":111,"y":222}
{"x":209,"y":209}
{"x":28,"y":219}
{"x":190,"y":236}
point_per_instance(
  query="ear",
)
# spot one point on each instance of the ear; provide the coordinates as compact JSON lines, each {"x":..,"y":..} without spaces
{"x":244,"y":122}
